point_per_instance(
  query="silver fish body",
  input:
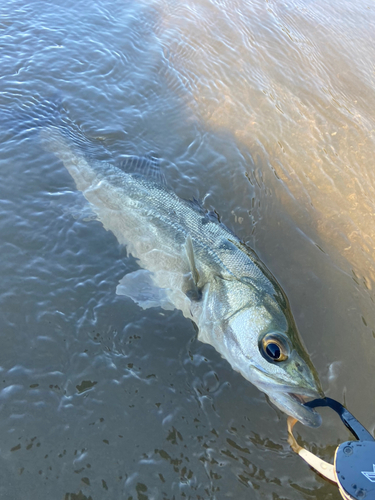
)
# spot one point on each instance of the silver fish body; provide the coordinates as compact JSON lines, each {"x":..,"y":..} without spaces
{"x":192,"y":262}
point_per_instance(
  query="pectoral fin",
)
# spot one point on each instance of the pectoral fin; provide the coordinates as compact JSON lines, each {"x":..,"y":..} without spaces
{"x":139,"y":287}
{"x":193,"y":290}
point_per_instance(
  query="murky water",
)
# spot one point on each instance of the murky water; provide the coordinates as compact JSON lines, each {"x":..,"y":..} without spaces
{"x":267,"y":110}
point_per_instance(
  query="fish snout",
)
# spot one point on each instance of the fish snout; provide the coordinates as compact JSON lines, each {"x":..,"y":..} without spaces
{"x":293,"y":403}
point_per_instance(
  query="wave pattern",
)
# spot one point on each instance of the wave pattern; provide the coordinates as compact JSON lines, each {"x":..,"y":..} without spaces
{"x":265,"y":110}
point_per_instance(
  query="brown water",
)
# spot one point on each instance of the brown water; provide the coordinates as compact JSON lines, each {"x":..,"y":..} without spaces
{"x":264,"y":108}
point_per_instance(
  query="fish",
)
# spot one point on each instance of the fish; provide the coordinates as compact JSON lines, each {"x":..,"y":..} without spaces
{"x":189,"y":260}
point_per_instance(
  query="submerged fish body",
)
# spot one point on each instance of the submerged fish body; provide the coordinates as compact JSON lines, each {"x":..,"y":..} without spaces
{"x":190,"y":261}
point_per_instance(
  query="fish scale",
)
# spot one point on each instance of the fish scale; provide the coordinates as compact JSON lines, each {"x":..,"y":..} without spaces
{"x":188,"y":220}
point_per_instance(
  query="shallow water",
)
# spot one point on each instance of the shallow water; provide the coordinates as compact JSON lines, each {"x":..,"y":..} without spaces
{"x":266,"y":110}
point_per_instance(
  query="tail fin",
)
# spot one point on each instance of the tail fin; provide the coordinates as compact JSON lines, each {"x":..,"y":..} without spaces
{"x":33,"y":116}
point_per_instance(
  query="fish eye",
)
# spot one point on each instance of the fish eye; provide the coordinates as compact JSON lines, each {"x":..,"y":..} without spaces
{"x":274,"y":347}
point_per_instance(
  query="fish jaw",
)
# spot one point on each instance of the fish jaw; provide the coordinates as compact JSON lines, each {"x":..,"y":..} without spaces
{"x":291,"y":398}
{"x":292,"y":403}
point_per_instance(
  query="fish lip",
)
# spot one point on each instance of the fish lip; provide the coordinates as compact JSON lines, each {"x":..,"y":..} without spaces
{"x":302,"y":398}
{"x":304,"y":393}
{"x":291,"y":398}
{"x":293,"y":403}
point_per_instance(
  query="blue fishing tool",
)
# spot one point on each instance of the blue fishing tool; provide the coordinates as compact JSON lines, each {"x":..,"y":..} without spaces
{"x":354,"y":462}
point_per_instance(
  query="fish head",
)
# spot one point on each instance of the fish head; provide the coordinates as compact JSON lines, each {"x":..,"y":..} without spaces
{"x":266,"y":349}
{"x":284,"y":371}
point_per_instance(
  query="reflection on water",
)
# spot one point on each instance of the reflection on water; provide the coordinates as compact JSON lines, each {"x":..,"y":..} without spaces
{"x":293,"y":83}
{"x":265,"y":109}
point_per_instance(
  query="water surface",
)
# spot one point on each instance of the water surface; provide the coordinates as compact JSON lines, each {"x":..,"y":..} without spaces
{"x":265,"y":110}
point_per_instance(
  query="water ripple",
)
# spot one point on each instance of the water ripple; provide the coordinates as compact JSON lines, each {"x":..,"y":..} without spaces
{"x":263,"y":109}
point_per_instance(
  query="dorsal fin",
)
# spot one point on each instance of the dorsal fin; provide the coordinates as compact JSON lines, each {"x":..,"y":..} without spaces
{"x":147,"y":166}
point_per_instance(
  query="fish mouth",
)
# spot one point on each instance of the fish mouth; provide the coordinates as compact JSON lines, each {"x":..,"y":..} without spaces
{"x":293,"y":403}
